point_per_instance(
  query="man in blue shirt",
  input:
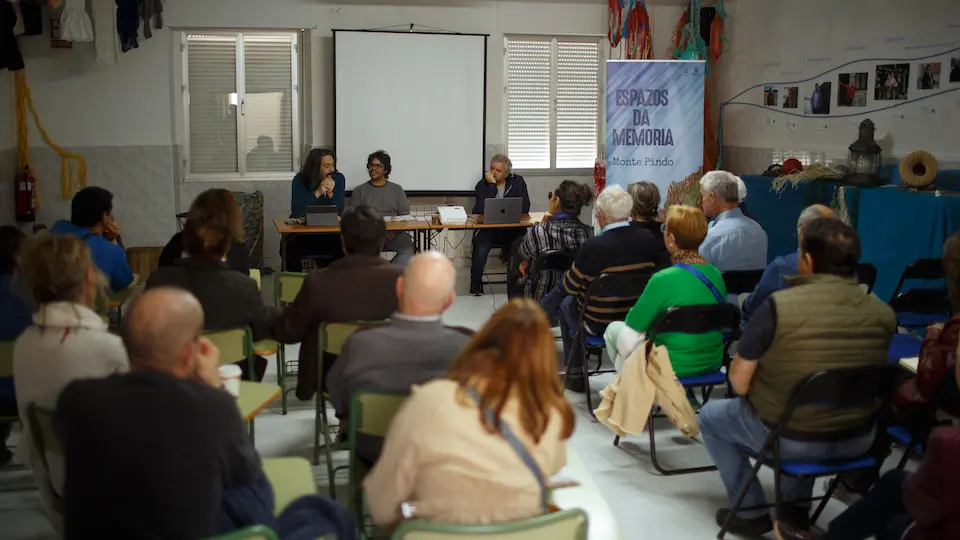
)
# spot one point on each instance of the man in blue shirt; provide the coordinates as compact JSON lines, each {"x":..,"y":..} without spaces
{"x":734,"y":242}
{"x":91,"y":219}
{"x":15,"y":317}
{"x":775,"y":276}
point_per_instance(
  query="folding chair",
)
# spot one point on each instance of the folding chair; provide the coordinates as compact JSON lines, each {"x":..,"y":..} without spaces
{"x":621,"y":285}
{"x":700,"y":319}
{"x":919,"y":308}
{"x":741,"y":281}
{"x":867,"y":275}
{"x":564,"y":525}
{"x":550,"y":261}
{"x":286,"y":286}
{"x":370,"y":414}
{"x":835,"y":389}
{"x":926,"y":270}
{"x":256,"y":532}
{"x":45,"y":441}
{"x":235,"y":345}
{"x":914,"y":436}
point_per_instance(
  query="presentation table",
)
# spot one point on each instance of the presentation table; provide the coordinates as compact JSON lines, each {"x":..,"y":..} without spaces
{"x":602,"y":525}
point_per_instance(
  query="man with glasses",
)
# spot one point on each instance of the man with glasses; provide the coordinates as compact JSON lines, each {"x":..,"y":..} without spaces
{"x":388,"y":199}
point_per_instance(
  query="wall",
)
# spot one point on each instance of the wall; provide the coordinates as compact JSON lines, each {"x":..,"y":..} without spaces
{"x":8,"y":156}
{"x":784,"y":40}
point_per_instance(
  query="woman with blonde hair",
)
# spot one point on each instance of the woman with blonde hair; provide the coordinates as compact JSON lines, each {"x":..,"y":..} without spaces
{"x":690,"y":281}
{"x":213,"y":204}
{"x":479,"y":447}
{"x":68,"y":341}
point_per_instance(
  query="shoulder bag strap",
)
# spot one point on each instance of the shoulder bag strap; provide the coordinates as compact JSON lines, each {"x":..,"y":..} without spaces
{"x":518,"y":447}
{"x":703,"y":279}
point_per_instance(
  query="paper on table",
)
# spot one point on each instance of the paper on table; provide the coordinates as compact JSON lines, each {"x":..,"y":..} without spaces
{"x":400,"y":218}
{"x":910,"y":363}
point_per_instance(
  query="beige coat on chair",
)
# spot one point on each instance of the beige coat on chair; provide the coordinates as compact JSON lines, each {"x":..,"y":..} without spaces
{"x":647,"y":376}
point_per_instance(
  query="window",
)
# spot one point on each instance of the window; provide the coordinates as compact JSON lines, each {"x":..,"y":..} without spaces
{"x":553,"y":102}
{"x":241,"y":104}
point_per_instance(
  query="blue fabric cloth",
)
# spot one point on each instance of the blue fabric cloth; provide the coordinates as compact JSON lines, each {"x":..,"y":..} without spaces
{"x":15,"y":317}
{"x":735,"y":242}
{"x":616,"y":225}
{"x":301,"y":196}
{"x":109,"y":257}
{"x":774,"y":278}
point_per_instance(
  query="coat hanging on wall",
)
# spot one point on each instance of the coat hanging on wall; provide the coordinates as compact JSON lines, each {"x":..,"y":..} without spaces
{"x":151,"y":11}
{"x":106,"y":39}
{"x":128,"y":24}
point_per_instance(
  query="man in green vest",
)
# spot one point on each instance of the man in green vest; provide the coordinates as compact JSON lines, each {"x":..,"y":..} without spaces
{"x":822,"y":321}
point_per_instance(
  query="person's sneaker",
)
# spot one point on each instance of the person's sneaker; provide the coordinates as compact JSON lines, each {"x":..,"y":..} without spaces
{"x":757,"y":526}
{"x":575,"y":384}
{"x":476,"y":290}
{"x":785,"y":531}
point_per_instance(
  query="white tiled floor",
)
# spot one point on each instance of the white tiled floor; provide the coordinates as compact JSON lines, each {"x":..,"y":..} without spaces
{"x":645,"y":504}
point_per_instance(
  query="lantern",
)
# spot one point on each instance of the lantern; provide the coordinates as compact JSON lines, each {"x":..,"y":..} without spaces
{"x":863,"y":163}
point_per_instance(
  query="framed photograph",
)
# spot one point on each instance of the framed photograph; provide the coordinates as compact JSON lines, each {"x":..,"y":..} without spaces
{"x":955,"y":70}
{"x":929,"y":76}
{"x":892,"y":82}
{"x":770,"y":96}
{"x":852,"y":89}
{"x":819,"y":100}
{"x":791,"y":95}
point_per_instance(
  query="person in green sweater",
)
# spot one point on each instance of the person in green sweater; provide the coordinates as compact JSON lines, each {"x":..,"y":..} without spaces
{"x":683,"y":284}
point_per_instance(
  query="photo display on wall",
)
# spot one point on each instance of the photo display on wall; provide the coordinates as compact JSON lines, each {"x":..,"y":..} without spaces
{"x":819,"y":100}
{"x":955,"y":70}
{"x":892,"y":82}
{"x":928,"y":77}
{"x":770,"y":94}
{"x":791,"y":95}
{"x":852,"y":89}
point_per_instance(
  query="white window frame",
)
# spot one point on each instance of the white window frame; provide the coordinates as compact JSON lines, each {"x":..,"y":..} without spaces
{"x":241,"y":175}
{"x":552,"y":170}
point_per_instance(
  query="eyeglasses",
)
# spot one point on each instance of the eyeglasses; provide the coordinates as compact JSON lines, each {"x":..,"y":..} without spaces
{"x":374,"y":166}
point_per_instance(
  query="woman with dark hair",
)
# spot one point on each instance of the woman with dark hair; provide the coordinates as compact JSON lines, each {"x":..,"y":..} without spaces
{"x":317,"y":184}
{"x":478,"y":447}
{"x":214,"y":203}
{"x":230,"y":300}
{"x":560,"y":230}
{"x":646,"y":209}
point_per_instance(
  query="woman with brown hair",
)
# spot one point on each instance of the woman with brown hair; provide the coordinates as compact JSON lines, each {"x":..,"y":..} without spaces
{"x":230,"y":300}
{"x":213,"y":204}
{"x":480,"y":446}
{"x":646,"y":207}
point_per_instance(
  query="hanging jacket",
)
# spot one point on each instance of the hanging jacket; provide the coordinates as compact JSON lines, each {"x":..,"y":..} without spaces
{"x":128,"y":24}
{"x":151,"y":10}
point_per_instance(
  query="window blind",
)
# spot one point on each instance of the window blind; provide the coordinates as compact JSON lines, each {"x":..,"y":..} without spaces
{"x":577,"y":103}
{"x":213,"y":100}
{"x":528,"y":103}
{"x":268,"y":102}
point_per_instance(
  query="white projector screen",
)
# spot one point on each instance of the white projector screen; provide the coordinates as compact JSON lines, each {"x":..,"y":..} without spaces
{"x":420,"y":97}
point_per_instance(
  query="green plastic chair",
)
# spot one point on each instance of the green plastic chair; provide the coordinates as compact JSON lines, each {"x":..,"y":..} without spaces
{"x":291,"y":478}
{"x":371,"y":413}
{"x":286,"y":286}
{"x":45,"y":441}
{"x":256,"y":532}
{"x":564,"y":525}
{"x":235,"y":345}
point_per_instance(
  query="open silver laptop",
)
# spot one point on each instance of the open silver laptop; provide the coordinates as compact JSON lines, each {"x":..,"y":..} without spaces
{"x":322,"y":216}
{"x":502,"y":211}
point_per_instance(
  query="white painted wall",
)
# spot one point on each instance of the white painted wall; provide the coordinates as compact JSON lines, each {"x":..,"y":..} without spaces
{"x":6,"y":110}
{"x":785,"y":40}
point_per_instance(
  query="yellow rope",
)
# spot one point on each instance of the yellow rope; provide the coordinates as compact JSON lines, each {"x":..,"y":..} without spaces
{"x":73,"y":168}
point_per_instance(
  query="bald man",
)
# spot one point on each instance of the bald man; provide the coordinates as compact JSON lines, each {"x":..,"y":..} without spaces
{"x":415,"y":347}
{"x":775,"y":275}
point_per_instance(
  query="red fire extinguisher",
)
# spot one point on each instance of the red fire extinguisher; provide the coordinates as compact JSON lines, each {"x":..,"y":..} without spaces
{"x":26,"y":197}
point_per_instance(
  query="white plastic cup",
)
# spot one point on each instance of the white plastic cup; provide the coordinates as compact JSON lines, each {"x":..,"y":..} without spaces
{"x":230,"y":379}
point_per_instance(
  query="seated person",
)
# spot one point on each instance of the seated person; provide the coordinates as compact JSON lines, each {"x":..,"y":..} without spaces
{"x":388,"y":199}
{"x":91,"y":219}
{"x":317,"y":184}
{"x":230,"y":300}
{"x":414,"y":348}
{"x":618,"y":248}
{"x":785,"y":266}
{"x":684,"y":284}
{"x":216,"y":204}
{"x":359,"y":287}
{"x":67,"y":341}
{"x":498,"y":182}
{"x":191,"y":470}
{"x":646,"y":205}
{"x":823,"y":321}
{"x":562,"y":231}
{"x":444,"y":451}
{"x":734,"y":242}
{"x":15,"y":317}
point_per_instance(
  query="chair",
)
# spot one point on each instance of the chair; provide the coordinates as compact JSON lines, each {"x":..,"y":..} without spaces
{"x":913,"y":437}
{"x":290,"y":478}
{"x":564,"y":525}
{"x":286,"y":286}
{"x":370,"y":414}
{"x":626,"y":285}
{"x":45,"y":440}
{"x":919,"y":308}
{"x":700,"y":319}
{"x":741,"y":281}
{"x":550,"y":261}
{"x":867,"y":275}
{"x":256,"y":532}
{"x":256,"y":276}
{"x":837,"y":389}
{"x":925,"y":269}
{"x":235,"y":345}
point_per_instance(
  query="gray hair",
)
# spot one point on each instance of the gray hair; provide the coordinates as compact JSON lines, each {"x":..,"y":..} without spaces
{"x":813,"y":212}
{"x":615,"y":203}
{"x":500,"y":158}
{"x":727,"y":187}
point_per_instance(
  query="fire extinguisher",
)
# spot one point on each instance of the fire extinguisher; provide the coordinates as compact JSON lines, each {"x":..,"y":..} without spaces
{"x":26,"y":197}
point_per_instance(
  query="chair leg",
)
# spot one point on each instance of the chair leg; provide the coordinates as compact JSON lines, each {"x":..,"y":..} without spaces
{"x":328,"y":451}
{"x":616,"y":441}
{"x":906,"y":455}
{"x":740,"y":497}
{"x":826,"y":497}
{"x":282,"y":376}
{"x":318,"y":425}
{"x":777,"y":478}
{"x":653,"y":454}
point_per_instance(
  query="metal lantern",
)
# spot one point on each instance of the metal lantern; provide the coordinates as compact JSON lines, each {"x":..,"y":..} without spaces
{"x":863,"y":163}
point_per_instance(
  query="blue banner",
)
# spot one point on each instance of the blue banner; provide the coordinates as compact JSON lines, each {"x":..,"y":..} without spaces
{"x":654,"y":121}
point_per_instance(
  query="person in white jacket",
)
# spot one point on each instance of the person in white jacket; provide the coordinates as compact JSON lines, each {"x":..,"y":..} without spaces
{"x":67,"y":341}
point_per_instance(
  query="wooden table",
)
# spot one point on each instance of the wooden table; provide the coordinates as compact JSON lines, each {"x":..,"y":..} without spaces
{"x":602,"y":525}
{"x":910,"y":363}
{"x":255,"y":397}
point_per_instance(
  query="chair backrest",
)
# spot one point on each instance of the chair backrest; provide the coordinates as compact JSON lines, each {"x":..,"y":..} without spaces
{"x":41,"y":429}
{"x":564,"y":525}
{"x":926,"y":301}
{"x":6,"y":358}
{"x":256,"y":276}
{"x":235,"y":345}
{"x":333,"y":335}
{"x":256,"y":532}
{"x":698,"y":319}
{"x":559,"y":261}
{"x":741,"y":281}
{"x":286,"y":286}
{"x":928,"y":269}
{"x":867,"y":275}
{"x":617,"y":285}
{"x":372,"y":412}
{"x":843,"y":388}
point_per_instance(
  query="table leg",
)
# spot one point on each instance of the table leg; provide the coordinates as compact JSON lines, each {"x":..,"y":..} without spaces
{"x":283,"y":252}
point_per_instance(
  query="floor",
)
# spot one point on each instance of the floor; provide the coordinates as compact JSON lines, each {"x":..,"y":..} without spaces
{"x":645,"y":504}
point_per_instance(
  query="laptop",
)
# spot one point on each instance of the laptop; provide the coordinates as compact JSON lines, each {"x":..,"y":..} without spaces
{"x":502,"y":211}
{"x":322,"y":216}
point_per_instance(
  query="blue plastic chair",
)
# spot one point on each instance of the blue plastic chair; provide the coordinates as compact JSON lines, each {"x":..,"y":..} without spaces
{"x":903,"y":346}
{"x":700,"y":319}
{"x":836,"y":389}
